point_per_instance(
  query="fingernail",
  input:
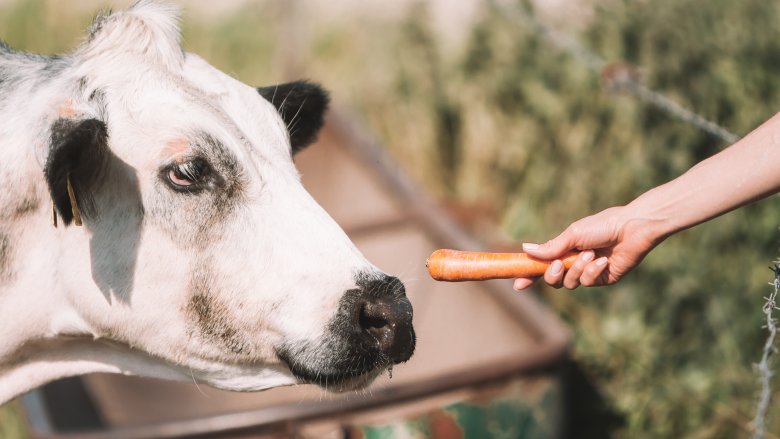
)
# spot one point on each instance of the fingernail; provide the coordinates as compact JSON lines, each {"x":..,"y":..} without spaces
{"x":556,"y":267}
{"x":530,"y":246}
{"x":601,"y":261}
{"x":587,"y":256}
{"x":520,"y":285}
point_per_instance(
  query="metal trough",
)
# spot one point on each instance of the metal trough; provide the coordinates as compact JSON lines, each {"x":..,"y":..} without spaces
{"x":485,"y":359}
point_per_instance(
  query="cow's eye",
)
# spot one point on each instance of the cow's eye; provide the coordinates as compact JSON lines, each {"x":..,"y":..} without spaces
{"x":188,"y":175}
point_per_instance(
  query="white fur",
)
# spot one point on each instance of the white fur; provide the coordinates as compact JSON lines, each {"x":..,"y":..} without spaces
{"x":279,"y":263}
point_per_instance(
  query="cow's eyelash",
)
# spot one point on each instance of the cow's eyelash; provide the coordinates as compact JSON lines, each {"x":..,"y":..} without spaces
{"x":187,"y":176}
{"x":192,"y":170}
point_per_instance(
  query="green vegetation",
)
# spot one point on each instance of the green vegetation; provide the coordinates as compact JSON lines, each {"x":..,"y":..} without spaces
{"x":12,"y":425}
{"x":511,"y":120}
{"x":508,"y":122}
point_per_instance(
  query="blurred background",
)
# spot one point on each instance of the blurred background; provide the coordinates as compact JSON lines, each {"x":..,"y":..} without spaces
{"x":519,"y":134}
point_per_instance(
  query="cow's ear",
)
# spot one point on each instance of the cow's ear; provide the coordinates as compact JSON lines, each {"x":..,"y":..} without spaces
{"x":302,"y":105}
{"x":77,"y":154}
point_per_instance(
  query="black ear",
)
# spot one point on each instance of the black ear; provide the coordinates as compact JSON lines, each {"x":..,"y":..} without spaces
{"x":302,"y":105}
{"x":78,"y":151}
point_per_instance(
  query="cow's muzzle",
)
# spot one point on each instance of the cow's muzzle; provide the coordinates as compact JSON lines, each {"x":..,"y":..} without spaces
{"x":371,"y":331}
{"x":384,"y":317}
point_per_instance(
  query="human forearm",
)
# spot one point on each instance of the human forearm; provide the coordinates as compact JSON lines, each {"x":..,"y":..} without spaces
{"x":616,"y":240}
{"x":747,"y":171}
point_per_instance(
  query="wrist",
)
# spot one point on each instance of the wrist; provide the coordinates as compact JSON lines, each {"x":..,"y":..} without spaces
{"x":653,"y":219}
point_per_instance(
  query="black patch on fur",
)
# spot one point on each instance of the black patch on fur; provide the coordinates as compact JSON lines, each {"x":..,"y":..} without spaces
{"x":4,"y":47}
{"x":302,"y":105}
{"x":212,"y":317}
{"x":79,"y":150}
{"x":229,"y":171}
{"x":27,"y":204}
{"x":5,"y":257}
{"x":55,"y":65}
{"x":98,"y":21}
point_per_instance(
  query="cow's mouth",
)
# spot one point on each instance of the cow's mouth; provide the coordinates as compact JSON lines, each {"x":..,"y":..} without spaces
{"x":338,"y":375}
{"x":340,"y":382}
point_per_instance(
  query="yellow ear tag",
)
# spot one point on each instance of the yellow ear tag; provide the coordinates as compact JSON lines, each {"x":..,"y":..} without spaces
{"x":74,"y":206}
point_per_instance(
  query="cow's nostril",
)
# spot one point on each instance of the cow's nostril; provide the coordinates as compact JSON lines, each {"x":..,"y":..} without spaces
{"x":378,"y":320}
{"x":381,"y":320}
{"x":370,"y":321}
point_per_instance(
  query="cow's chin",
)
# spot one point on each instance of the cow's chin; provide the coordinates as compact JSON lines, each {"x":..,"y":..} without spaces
{"x":356,"y":383}
{"x":336,"y":371}
{"x":342,"y":383}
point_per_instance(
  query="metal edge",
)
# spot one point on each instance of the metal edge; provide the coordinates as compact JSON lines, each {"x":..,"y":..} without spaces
{"x":274,"y":417}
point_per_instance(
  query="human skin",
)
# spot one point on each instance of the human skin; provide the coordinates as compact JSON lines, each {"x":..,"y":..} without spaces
{"x":617,"y":239}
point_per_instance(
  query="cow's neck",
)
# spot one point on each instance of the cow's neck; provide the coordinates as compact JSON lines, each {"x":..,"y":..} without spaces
{"x":43,"y":361}
{"x":44,"y":337}
{"x":37,"y":321}
{"x":46,"y":360}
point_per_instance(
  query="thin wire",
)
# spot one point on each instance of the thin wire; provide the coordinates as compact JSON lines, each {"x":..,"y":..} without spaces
{"x":624,"y":82}
{"x":682,"y":113}
{"x":763,"y":367}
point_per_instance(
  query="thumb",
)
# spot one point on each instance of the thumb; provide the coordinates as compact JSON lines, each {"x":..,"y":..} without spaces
{"x":551,"y":249}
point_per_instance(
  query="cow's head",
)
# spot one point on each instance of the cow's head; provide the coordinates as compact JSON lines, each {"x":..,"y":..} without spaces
{"x":199,"y":245}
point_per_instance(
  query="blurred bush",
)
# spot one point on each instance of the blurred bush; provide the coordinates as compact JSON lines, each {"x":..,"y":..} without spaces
{"x":11,"y":422}
{"x":511,"y":121}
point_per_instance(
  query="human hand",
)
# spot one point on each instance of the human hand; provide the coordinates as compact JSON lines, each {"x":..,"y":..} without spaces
{"x":612,"y":242}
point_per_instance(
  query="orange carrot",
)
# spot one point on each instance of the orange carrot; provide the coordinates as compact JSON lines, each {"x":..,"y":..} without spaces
{"x":456,"y":266}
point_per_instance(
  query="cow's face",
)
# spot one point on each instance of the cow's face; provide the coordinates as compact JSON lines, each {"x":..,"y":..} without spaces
{"x":200,"y":247}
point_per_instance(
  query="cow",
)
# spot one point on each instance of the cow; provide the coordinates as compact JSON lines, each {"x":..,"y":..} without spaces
{"x":152,"y":223}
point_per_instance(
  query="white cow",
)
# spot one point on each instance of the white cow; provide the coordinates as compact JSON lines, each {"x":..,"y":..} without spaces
{"x":201,"y":256}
